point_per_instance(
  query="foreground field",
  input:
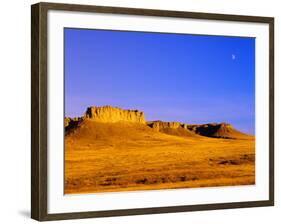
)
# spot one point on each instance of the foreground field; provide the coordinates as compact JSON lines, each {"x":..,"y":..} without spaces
{"x":102,"y":157}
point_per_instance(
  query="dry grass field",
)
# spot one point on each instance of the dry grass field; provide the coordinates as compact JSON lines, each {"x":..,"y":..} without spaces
{"x":103,"y":157}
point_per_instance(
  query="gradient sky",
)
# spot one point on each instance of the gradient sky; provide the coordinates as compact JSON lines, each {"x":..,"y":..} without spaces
{"x":171,"y":77}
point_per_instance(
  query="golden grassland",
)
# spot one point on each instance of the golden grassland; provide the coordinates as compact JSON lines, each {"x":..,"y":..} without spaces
{"x":102,"y":157}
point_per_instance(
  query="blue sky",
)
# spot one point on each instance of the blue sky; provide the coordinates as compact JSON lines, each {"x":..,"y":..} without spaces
{"x":172,"y":77}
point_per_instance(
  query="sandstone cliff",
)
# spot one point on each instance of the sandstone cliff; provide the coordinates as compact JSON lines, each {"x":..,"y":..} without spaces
{"x":159,"y":125}
{"x":114,"y":114}
{"x":171,"y":128}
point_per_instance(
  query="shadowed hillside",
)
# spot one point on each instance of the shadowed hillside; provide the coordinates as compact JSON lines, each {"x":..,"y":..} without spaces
{"x":218,"y":130}
{"x":110,"y":149}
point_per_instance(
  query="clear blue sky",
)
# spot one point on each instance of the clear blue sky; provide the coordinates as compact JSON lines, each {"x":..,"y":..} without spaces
{"x":172,"y":77}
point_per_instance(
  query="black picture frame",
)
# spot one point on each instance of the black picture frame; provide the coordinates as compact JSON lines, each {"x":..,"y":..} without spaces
{"x":39,"y":105}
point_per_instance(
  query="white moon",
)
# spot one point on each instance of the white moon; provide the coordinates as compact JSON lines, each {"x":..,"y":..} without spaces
{"x":233,"y":56}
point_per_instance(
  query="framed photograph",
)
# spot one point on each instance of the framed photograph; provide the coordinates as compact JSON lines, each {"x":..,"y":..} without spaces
{"x":141,"y":111}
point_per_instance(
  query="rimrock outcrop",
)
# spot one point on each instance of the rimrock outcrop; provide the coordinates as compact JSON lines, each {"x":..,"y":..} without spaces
{"x":171,"y":128}
{"x":159,"y":125}
{"x":114,"y":114}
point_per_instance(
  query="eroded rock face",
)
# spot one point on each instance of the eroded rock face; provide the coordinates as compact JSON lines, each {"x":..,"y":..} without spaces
{"x":159,"y":125}
{"x":71,"y":123}
{"x":114,"y":114}
{"x":67,"y":120}
{"x":217,"y":130}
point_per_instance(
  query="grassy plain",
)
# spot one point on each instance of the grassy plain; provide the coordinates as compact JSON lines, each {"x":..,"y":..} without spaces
{"x":102,"y":157}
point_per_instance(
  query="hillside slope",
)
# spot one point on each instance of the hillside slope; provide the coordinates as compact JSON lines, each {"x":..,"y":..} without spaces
{"x":92,"y":132}
{"x":125,"y":156}
{"x":218,"y":130}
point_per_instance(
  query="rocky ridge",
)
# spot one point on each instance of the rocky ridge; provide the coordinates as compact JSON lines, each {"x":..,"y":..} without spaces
{"x":109,"y":114}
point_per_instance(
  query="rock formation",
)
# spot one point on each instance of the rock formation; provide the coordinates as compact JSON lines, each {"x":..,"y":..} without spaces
{"x":159,"y":125}
{"x":171,"y":128}
{"x":71,"y":123}
{"x":109,"y":114}
{"x":114,"y":114}
{"x":217,"y":130}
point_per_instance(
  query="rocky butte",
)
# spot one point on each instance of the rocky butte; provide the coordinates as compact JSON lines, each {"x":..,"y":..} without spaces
{"x":114,"y":114}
